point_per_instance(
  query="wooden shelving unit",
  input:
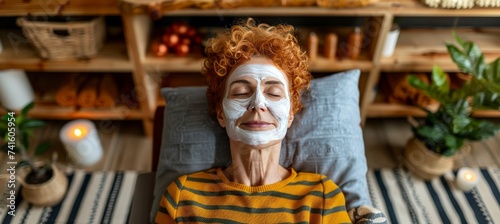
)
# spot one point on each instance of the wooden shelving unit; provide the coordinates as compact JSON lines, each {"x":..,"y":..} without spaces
{"x":417,"y":50}
{"x":112,"y":58}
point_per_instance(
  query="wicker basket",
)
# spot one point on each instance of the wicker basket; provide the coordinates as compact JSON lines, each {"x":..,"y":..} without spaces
{"x":65,"y":40}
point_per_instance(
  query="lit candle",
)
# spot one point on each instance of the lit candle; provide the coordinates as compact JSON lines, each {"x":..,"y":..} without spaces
{"x":81,"y":141}
{"x":466,"y":179}
{"x":15,"y":89}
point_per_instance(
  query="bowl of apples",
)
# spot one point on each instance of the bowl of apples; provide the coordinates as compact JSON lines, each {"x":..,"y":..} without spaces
{"x":179,"y":38}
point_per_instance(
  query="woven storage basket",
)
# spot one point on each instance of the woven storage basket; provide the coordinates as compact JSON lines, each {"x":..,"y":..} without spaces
{"x":65,"y":40}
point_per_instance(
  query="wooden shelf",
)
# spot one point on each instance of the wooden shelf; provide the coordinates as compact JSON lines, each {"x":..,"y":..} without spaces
{"x":394,"y":7}
{"x":418,"y":50}
{"x":393,"y":110}
{"x":63,"y":113}
{"x":64,"y":7}
{"x":377,"y":110}
{"x":141,"y":8}
{"x":111,"y":58}
{"x":194,"y":64}
{"x":417,"y":8}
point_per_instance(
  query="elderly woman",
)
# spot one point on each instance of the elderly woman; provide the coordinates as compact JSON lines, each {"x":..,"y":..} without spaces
{"x":255,"y":75}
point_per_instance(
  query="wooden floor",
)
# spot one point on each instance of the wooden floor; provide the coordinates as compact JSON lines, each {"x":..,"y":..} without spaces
{"x":126,"y":148}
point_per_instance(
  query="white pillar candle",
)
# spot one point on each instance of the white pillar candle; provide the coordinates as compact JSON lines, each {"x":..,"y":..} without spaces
{"x":81,"y":140}
{"x":466,"y":179}
{"x":15,"y":89}
{"x":390,"y":42}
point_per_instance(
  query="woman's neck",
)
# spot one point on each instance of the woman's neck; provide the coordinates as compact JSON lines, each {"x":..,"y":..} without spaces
{"x":255,"y":167}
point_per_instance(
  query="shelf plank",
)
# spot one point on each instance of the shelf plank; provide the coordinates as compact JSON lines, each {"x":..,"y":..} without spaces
{"x":416,"y":51}
{"x":382,"y":7}
{"x":21,"y":55}
{"x":59,"y":7}
{"x":194,"y":64}
{"x":379,"y":109}
{"x":64,"y":113}
{"x":417,"y":8}
{"x":138,"y":7}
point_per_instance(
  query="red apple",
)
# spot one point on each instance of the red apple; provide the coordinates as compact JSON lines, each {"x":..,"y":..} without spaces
{"x":185,"y":41}
{"x":159,"y":48}
{"x":182,"y":50}
{"x":180,"y":27}
{"x":171,"y":39}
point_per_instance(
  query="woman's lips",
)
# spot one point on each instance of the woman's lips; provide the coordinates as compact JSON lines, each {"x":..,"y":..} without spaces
{"x":257,"y":124}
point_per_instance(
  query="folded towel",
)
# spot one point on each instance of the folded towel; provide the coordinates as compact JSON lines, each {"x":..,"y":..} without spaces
{"x":108,"y":92}
{"x":88,"y":95}
{"x":67,"y":94}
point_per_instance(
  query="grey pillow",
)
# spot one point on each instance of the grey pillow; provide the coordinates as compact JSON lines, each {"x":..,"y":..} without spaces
{"x":325,"y":137}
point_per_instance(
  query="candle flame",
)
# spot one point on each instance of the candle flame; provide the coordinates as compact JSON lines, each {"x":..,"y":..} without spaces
{"x":469,"y":176}
{"x":77,"y":132}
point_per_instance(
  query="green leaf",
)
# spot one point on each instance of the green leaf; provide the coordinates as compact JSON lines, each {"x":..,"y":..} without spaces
{"x":486,"y":100}
{"x":27,"y":108}
{"x":439,"y":79}
{"x":492,"y":71}
{"x":20,"y":119}
{"x":452,"y":144}
{"x":460,"y":59}
{"x":417,"y":83}
{"x":41,"y":148}
{"x":32,"y":124}
{"x":459,"y":123}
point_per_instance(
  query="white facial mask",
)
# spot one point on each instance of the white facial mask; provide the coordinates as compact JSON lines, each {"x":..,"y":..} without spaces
{"x":235,"y":108}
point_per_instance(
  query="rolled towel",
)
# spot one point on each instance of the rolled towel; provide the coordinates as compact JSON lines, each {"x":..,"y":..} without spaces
{"x":67,"y":94}
{"x":88,"y":95}
{"x":108,"y":92}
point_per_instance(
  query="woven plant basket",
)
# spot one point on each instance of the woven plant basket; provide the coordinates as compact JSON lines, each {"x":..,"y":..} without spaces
{"x":65,"y":40}
{"x":426,"y":164}
{"x":49,"y":193}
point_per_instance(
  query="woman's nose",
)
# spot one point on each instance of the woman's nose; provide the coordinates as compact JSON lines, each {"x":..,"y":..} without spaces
{"x":257,"y":101}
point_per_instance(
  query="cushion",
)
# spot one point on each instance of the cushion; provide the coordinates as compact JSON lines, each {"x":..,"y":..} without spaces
{"x":325,"y":137}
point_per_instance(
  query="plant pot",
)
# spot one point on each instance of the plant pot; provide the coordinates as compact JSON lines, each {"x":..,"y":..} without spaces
{"x":48,"y":193}
{"x":425,"y":163}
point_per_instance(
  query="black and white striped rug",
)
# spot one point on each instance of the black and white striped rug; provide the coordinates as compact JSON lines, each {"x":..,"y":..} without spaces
{"x":97,"y":197}
{"x":406,"y":199}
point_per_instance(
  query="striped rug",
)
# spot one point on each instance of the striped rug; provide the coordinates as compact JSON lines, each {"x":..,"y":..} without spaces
{"x":406,"y":199}
{"x":97,"y":197}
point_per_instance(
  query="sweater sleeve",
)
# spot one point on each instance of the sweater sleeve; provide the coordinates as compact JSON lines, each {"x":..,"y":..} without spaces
{"x":334,"y":210}
{"x":167,"y":210}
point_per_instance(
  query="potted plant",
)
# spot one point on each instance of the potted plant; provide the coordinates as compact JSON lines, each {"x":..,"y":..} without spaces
{"x":43,"y":184}
{"x":444,"y":132}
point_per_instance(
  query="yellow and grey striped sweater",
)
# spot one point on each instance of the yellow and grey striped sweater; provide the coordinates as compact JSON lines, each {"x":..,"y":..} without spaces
{"x":209,"y":197}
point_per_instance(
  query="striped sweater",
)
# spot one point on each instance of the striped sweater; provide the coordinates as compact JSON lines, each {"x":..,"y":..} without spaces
{"x":209,"y":197}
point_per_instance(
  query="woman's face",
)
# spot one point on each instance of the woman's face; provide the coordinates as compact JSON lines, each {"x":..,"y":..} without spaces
{"x":256,"y":105}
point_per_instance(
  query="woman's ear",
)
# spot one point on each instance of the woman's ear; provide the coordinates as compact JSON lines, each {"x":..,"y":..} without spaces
{"x":290,"y":119}
{"x":221,"y":118}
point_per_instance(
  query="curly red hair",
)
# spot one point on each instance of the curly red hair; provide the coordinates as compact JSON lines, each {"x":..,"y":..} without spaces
{"x":246,"y":39}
